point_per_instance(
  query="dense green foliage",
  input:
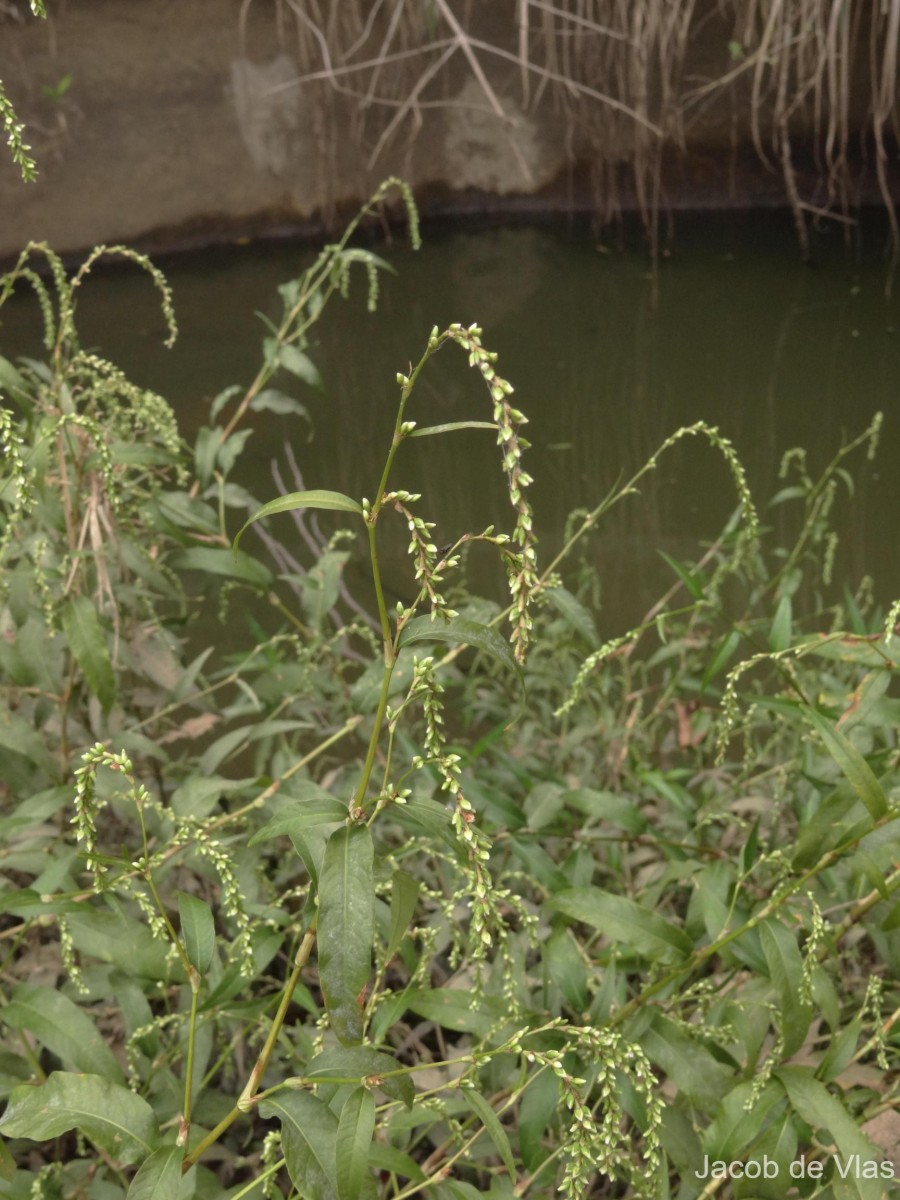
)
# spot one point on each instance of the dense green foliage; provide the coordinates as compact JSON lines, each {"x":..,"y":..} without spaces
{"x":378,"y":904}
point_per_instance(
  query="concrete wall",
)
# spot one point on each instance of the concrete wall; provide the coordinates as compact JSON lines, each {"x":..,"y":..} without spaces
{"x":181,"y":125}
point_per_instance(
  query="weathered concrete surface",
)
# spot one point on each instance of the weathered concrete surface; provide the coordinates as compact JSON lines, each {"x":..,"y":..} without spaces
{"x":180,"y":126}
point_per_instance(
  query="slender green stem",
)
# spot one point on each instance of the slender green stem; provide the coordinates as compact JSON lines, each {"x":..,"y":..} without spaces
{"x":247,"y":1097}
{"x":267,"y":1174}
{"x":321,"y":275}
{"x":170,"y":928}
{"x":383,"y":620}
{"x":390,"y":648}
{"x":189,"y":1065}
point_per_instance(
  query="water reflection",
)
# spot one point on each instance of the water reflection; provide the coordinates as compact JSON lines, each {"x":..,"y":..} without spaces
{"x":744,"y":336}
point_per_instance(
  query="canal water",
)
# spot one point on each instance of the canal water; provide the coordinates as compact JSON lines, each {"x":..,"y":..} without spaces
{"x":735,"y":331}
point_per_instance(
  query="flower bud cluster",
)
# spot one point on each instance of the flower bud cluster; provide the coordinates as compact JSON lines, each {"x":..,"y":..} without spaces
{"x":424,"y":552}
{"x":522,"y":563}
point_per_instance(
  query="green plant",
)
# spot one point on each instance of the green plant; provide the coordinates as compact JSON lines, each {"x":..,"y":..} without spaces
{"x":13,"y":128}
{"x":628,"y":907}
{"x":56,"y":91}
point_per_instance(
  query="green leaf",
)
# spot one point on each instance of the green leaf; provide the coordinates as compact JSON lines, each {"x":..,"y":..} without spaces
{"x":198,"y":931}
{"x":785,"y":965}
{"x":692,"y":581}
{"x":13,"y":383}
{"x":346,"y":928}
{"x":457,"y":1009}
{"x":310,"y":846}
{"x":624,"y":920}
{"x":544,"y":805}
{"x":236,"y":739}
{"x":354,"y":1137}
{"x":222,"y":399}
{"x":299,"y":364}
{"x":159,"y":1177}
{"x":459,"y":631}
{"x":565,"y":968}
{"x":359,"y":1062}
{"x":451,"y":427}
{"x":892,"y":920}
{"x":738,"y":1120}
{"x":187,"y":512}
{"x":540,"y":865}
{"x":421,"y":814}
{"x":607,"y":806}
{"x":535,"y":1113}
{"x":309,"y":1141}
{"x":314,"y":499}
{"x":61,"y":1026}
{"x":7,"y":1162}
{"x":856,"y":770}
{"x":115,"y":937}
{"x":26,"y":902}
{"x":818,"y":1108}
{"x":215,"y":561}
{"x":319,"y":810}
{"x":120,"y":1122}
{"x":387,"y":1158}
{"x":841,"y":1049}
{"x":687,"y":1062}
{"x":780,"y":632}
{"x":574,"y":613}
{"x":271,"y":400}
{"x":205,"y":450}
{"x":230,"y":450}
{"x":88,"y":644}
{"x":724,"y":651}
{"x":404,"y":897}
{"x":495,"y":1130}
{"x":320,"y":587}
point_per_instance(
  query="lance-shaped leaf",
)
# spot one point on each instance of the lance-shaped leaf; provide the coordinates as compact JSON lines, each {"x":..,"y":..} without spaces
{"x":857,"y":771}
{"x":346,"y":928}
{"x":818,"y":1108}
{"x":354,"y":1137}
{"x":458,"y":1009}
{"x":120,"y":1122}
{"x":495,"y":1130}
{"x":460,"y":632}
{"x":624,"y":921}
{"x":738,"y":1120}
{"x":198,"y":931}
{"x":308,"y":1139}
{"x":215,"y":561}
{"x":88,"y":645}
{"x":536,"y":1110}
{"x":785,"y":965}
{"x":451,"y":427}
{"x":404,"y":897}
{"x":309,"y":1132}
{"x":314,"y":499}
{"x":65,"y":1029}
{"x":317,"y":810}
{"x":281,"y":354}
{"x":159,"y":1177}
{"x":359,"y":1062}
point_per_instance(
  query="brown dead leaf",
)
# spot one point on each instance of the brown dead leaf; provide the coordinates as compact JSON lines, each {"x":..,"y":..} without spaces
{"x":193,"y":727}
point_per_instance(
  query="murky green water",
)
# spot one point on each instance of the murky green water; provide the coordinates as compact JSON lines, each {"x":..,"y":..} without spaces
{"x":743,"y":336}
